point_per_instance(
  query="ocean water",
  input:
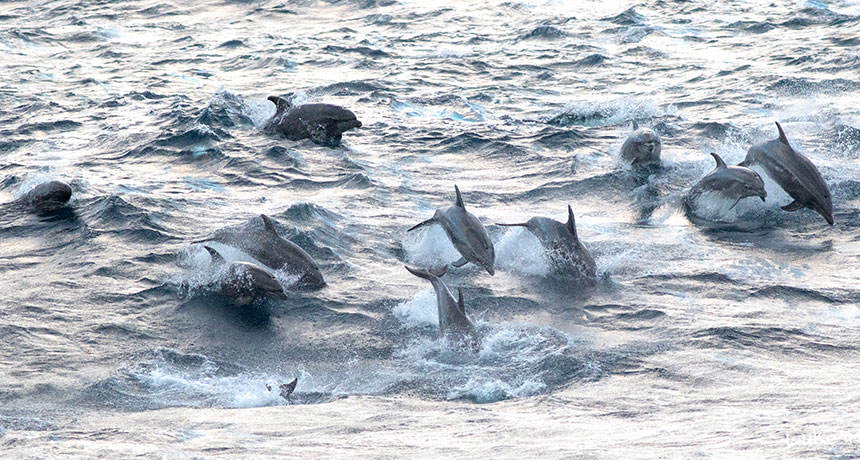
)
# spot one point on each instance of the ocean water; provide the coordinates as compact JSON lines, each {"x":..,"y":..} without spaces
{"x":697,"y":341}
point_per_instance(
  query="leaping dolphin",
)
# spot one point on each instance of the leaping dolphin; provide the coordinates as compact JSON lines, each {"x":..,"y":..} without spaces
{"x":642,"y":147}
{"x":466,"y":234}
{"x":48,"y":196}
{"x":733,"y":182}
{"x":566,"y":252}
{"x":273,"y":251}
{"x":322,"y":123}
{"x":794,"y":173}
{"x":453,"y":321}
{"x":245,"y":282}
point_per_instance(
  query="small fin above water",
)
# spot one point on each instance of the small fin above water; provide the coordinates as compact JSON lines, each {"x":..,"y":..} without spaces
{"x":268,"y":224}
{"x":459,"y":201}
{"x":571,"y":222}
{"x":427,"y":222}
{"x":720,"y":162}
{"x":217,"y":258}
{"x":782,"y":137}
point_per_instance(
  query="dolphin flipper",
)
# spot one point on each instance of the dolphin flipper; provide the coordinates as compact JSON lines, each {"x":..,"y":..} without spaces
{"x":793,"y":206}
{"x":459,"y":263}
{"x":427,"y":222}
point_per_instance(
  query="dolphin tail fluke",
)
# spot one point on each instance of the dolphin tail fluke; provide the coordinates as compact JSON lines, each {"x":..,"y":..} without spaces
{"x":793,"y":206}
{"x":460,"y":262}
{"x":216,"y":256}
{"x":720,"y":162}
{"x":782,"y":137}
{"x":427,"y":274}
{"x":427,"y":222}
{"x":571,"y":222}
{"x":459,"y":201}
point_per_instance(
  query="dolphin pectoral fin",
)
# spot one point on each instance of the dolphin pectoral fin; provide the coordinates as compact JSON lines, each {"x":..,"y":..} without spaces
{"x":439,"y":272}
{"x":736,"y":203}
{"x":793,"y":206}
{"x":459,"y":263}
{"x":427,"y":222}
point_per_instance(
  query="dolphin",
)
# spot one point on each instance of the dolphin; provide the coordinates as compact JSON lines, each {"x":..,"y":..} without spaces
{"x":453,"y":321}
{"x":273,"y":251}
{"x":466,"y":234}
{"x":245,"y":282}
{"x":794,"y":173}
{"x":287,"y":389}
{"x":566,"y":252}
{"x":733,"y":182}
{"x":642,"y":147}
{"x":322,"y":123}
{"x":47,"y":196}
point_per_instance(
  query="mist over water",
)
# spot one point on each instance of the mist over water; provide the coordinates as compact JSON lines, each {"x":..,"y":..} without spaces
{"x":730,"y":333}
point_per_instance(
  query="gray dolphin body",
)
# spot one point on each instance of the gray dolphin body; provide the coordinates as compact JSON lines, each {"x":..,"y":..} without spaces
{"x":642,"y":147}
{"x":794,"y":173}
{"x":453,"y":321}
{"x":322,"y":123}
{"x":733,"y":182}
{"x":566,"y":252}
{"x":48,"y":196}
{"x":274,"y":252}
{"x":245,"y":282}
{"x":466,"y":234}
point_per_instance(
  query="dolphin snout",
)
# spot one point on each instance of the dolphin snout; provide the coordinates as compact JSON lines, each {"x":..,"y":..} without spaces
{"x":279,"y":295}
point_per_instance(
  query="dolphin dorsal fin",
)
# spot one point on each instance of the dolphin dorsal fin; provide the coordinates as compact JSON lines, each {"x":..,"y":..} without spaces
{"x":634,"y":124}
{"x":571,"y":222}
{"x":460,"y":303}
{"x":720,"y":162}
{"x":268,"y":225}
{"x":217,"y":258}
{"x":782,"y":137}
{"x":459,"y":201}
{"x":281,"y":103}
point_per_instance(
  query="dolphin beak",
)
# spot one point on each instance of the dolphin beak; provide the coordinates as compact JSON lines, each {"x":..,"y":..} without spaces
{"x":357,"y":124}
{"x":279,"y":295}
{"x":491,"y":271}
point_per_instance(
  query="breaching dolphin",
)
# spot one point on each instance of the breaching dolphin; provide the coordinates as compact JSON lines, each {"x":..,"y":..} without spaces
{"x":794,"y":173}
{"x":453,"y":321}
{"x":466,"y":234}
{"x":732,"y":182}
{"x":48,"y":196}
{"x":322,"y":123}
{"x":273,"y":251}
{"x":642,"y":147}
{"x":287,"y":389}
{"x":566,"y":252}
{"x":245,"y":282}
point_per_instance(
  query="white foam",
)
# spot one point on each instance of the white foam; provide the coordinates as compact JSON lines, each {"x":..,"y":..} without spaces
{"x":419,"y":311}
{"x":430,"y":247}
{"x":521,"y":252}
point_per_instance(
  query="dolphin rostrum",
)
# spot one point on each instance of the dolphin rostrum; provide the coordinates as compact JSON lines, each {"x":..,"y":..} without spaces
{"x":453,"y":321}
{"x":566,"y":252}
{"x":466,"y":234}
{"x":322,"y":123}
{"x":733,"y":182}
{"x":794,"y":173}
{"x":642,"y":147}
{"x":273,"y":251}
{"x":48,"y":196}
{"x":244,"y":282}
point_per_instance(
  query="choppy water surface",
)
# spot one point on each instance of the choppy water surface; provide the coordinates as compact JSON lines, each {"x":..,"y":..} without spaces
{"x":697,"y":341}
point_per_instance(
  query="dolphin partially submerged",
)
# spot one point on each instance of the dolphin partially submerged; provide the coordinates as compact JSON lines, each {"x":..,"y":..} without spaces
{"x":48,"y":196}
{"x":642,"y":147}
{"x":794,"y":173}
{"x":322,"y":123}
{"x":466,"y":234}
{"x":244,"y":282}
{"x":566,"y":252}
{"x":732,"y":182}
{"x":453,"y":321}
{"x":273,"y":251}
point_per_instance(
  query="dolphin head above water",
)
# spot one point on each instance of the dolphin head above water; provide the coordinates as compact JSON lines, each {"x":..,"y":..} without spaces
{"x":642,"y":146}
{"x":245,"y":282}
{"x":48,"y":196}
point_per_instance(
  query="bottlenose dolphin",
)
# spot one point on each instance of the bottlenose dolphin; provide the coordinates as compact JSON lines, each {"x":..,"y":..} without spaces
{"x":245,"y":282}
{"x":733,"y":182}
{"x":642,"y":147}
{"x":794,"y":173}
{"x":322,"y":123}
{"x":48,"y":196}
{"x":273,"y":251}
{"x":466,"y":234}
{"x":566,"y":252}
{"x":453,"y":321}
{"x":287,"y":389}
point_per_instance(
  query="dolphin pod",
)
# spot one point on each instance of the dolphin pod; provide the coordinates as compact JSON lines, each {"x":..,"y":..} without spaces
{"x":466,"y":234}
{"x":48,"y":196}
{"x":322,"y":123}
{"x":453,"y":321}
{"x":244,"y":282}
{"x":642,"y":147}
{"x":274,"y":252}
{"x":794,"y":173}
{"x":732,"y":182}
{"x":566,"y":252}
